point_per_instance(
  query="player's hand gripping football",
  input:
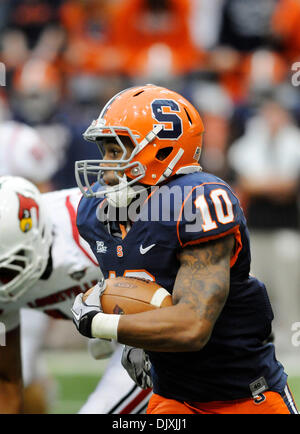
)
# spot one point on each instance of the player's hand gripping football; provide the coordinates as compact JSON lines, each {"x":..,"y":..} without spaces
{"x":84,"y":311}
{"x":138,"y":366}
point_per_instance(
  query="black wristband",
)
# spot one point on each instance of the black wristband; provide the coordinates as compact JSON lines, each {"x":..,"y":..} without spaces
{"x":85,"y":324}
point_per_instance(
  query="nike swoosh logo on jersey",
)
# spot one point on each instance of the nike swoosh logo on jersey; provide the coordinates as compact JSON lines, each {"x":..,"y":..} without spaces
{"x":146,"y":249}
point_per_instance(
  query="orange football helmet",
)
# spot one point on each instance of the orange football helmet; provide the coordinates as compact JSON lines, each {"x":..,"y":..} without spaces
{"x":165,"y":130}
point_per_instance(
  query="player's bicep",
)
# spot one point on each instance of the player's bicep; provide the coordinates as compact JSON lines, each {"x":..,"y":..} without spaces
{"x":203,"y":279}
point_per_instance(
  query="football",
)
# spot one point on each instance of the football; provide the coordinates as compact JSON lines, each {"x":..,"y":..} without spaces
{"x":128,"y":295}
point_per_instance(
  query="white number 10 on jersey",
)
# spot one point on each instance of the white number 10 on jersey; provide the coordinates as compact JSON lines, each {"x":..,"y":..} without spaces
{"x":223,"y":216}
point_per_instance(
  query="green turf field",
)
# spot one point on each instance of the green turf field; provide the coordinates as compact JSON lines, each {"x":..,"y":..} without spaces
{"x":74,"y":389}
{"x":76,"y":375}
{"x":72,"y":392}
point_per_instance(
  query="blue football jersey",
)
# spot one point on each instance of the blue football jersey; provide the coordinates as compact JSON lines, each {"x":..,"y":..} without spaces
{"x":237,"y":361}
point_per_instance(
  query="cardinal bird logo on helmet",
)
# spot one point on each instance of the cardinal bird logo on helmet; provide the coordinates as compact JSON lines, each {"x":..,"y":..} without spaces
{"x":27,"y":204}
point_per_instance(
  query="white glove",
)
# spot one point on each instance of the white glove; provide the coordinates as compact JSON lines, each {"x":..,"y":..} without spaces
{"x":84,"y":311}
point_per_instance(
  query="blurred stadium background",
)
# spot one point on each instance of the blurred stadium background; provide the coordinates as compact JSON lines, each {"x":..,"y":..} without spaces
{"x":235,"y":60}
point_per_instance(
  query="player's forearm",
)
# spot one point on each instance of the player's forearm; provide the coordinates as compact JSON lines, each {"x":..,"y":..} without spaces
{"x":200,"y":291}
{"x":199,"y":294}
{"x":11,"y":397}
{"x":174,"y":329}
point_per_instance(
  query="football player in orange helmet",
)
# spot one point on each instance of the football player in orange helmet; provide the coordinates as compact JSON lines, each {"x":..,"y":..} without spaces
{"x":164,"y":129}
{"x":209,"y":350}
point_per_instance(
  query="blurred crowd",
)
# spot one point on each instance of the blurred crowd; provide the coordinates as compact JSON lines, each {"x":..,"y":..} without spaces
{"x":235,"y":60}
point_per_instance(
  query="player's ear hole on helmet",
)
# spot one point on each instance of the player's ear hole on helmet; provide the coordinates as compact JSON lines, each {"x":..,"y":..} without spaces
{"x":163,"y":153}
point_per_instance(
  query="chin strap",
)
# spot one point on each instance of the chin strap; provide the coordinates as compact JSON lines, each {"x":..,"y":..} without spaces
{"x":121,"y":195}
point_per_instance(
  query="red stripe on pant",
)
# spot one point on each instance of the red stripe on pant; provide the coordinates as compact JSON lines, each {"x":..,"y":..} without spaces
{"x":137,"y":400}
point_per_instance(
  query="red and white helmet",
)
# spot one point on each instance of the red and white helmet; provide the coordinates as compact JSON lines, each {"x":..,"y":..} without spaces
{"x":25,"y":237}
{"x":164,"y":128}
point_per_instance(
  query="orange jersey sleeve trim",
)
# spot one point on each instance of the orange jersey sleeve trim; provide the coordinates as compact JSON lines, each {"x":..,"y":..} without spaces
{"x":238,"y":242}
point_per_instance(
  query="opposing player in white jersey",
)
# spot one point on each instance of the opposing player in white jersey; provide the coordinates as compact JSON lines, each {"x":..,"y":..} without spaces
{"x":44,"y":264}
{"x":23,"y":152}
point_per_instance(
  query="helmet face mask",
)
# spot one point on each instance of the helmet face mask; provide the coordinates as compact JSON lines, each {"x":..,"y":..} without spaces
{"x":98,"y":167}
{"x":164,"y":128}
{"x":26,"y":241}
{"x":18,"y":272}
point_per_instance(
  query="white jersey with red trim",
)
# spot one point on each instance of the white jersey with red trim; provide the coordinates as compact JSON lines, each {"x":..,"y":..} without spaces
{"x":74,"y":267}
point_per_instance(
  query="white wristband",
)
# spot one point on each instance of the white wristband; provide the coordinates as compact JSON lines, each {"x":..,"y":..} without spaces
{"x":105,"y":326}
